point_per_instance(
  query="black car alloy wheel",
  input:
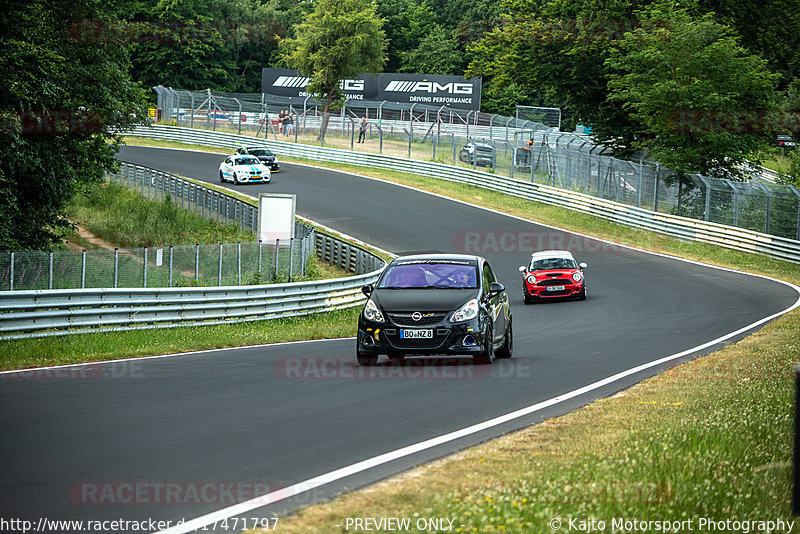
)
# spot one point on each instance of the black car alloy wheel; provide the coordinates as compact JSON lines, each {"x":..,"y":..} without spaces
{"x":487,"y":356}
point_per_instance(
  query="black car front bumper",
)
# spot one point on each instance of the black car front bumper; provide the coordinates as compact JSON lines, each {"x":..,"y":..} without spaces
{"x":465,"y":338}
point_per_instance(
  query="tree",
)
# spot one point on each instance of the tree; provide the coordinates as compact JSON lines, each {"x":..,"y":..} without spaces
{"x":699,"y":99}
{"x":65,"y":89}
{"x":339,"y":40}
{"x":437,"y":53}
{"x":217,"y":44}
{"x":406,"y":23}
{"x":770,"y":29}
{"x":556,"y":51}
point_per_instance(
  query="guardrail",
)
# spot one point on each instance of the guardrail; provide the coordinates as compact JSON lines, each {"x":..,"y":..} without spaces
{"x":680,"y":227}
{"x":42,"y":313}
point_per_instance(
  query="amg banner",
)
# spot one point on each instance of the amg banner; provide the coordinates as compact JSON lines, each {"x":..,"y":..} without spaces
{"x":434,"y":90}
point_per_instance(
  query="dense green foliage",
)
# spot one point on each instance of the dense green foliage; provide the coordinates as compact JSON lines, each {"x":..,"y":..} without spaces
{"x":63,"y":92}
{"x":629,"y":69}
{"x":692,"y":91}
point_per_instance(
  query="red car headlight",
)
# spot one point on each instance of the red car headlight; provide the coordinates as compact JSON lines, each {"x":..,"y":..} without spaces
{"x":532,"y":280}
{"x":577,"y":277}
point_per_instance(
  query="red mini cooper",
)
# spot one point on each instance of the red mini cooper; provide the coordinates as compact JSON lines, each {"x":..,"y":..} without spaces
{"x":553,"y":274}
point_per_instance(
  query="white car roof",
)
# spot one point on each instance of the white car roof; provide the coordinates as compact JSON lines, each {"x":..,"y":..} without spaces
{"x":552,"y":254}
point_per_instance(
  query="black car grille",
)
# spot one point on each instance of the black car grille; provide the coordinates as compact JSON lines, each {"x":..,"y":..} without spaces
{"x":405,"y":320}
{"x":555,"y":282}
{"x":431,"y":343}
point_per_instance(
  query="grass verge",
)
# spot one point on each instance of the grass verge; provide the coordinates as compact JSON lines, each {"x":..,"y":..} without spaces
{"x":124,"y":218}
{"x":23,"y":353}
{"x":706,"y":440}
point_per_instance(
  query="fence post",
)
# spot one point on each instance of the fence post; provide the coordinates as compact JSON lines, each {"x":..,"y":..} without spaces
{"x":116,"y":266}
{"x":11,"y":273}
{"x":197,"y":262}
{"x":50,"y":272}
{"x":259,"y":259}
{"x":291,"y":258}
{"x":277,"y":253}
{"x":219,"y":272}
{"x":170,"y":265}
{"x":239,"y":263}
{"x":144,"y":277}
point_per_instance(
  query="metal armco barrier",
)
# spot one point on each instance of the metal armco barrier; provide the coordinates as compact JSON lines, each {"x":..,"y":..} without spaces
{"x":26,"y":314}
{"x":41,"y":313}
{"x":680,"y":227}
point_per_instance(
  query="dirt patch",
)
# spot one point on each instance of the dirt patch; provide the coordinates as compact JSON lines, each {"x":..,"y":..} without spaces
{"x":88,"y":237}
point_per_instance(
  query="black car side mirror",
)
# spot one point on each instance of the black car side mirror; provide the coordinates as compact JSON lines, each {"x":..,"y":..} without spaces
{"x":367,"y":289}
{"x":496,"y":288}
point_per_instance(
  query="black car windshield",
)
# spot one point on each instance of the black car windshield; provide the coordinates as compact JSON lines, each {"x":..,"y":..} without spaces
{"x":430,"y":275}
{"x":259,"y":152}
{"x":247,"y":160}
{"x":546,"y":264}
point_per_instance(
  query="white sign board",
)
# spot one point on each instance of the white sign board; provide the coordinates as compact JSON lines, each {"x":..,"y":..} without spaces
{"x":275,"y":217}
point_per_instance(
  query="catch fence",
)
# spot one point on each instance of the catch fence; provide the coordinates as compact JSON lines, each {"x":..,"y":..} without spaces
{"x":200,"y":264}
{"x":509,"y":147}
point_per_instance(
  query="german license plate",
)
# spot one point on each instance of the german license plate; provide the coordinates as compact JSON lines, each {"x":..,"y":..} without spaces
{"x":555,"y":288}
{"x":416,"y":334}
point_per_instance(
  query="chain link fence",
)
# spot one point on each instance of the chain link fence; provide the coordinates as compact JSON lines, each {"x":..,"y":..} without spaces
{"x":220,"y":264}
{"x":520,"y":148}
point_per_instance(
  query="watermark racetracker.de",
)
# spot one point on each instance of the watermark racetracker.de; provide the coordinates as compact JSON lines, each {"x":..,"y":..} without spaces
{"x":92,"y":371}
{"x":527,"y":242}
{"x":446,"y":368}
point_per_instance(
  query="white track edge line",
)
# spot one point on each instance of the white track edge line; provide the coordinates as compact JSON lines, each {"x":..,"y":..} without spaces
{"x":358,"y":467}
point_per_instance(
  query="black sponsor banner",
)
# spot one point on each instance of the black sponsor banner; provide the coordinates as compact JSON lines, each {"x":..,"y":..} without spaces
{"x":451,"y":91}
{"x":433,"y":90}
{"x":290,"y":83}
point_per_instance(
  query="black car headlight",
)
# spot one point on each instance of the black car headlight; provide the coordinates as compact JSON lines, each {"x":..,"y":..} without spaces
{"x":372,"y":312}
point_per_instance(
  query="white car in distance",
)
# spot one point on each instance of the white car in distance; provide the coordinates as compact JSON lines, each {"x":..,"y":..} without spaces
{"x":243,"y":169}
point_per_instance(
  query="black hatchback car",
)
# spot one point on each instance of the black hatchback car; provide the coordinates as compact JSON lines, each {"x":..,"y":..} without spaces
{"x":435,"y":305}
{"x":264,"y":155}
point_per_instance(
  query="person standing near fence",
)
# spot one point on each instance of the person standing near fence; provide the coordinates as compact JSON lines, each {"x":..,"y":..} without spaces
{"x":288,"y":124}
{"x":362,"y":129}
{"x":281,"y":118}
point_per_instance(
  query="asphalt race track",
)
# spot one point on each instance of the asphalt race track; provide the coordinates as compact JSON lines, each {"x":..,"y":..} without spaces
{"x":178,"y":437}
